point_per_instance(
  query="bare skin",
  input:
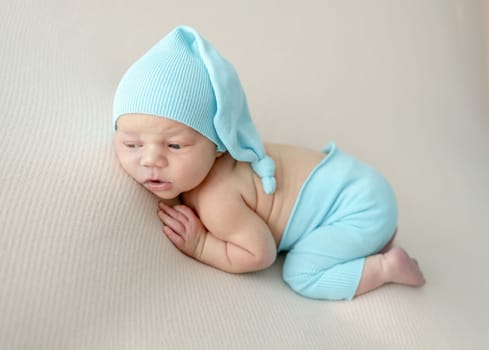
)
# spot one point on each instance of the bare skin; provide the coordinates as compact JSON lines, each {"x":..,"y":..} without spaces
{"x":390,"y":265}
{"x":214,"y":209}
{"x":393,"y":266}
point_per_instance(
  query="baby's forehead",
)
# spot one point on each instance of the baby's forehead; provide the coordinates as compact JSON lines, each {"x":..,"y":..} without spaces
{"x":137,"y":123}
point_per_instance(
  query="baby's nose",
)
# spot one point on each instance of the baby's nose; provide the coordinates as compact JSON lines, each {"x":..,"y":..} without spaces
{"x":153,"y":157}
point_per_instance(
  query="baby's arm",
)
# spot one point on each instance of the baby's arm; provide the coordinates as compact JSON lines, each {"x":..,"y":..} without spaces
{"x":240,"y":241}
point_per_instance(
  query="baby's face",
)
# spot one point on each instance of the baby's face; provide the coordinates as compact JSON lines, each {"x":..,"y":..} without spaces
{"x":166,"y":157}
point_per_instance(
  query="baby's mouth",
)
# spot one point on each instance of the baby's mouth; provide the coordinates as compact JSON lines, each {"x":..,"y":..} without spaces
{"x":157,"y":185}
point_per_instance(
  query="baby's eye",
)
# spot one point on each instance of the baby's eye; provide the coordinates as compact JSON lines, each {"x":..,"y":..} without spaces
{"x":131,"y":145}
{"x":174,"y":146}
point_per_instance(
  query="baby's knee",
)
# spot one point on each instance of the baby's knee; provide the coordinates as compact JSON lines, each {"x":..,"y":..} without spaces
{"x":294,"y":274}
{"x":338,"y":282}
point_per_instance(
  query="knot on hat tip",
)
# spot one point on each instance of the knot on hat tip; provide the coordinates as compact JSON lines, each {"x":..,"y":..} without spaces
{"x":269,"y":184}
{"x":265,"y":168}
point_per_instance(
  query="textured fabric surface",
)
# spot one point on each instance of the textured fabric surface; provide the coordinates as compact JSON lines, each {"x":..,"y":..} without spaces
{"x":83,"y":263}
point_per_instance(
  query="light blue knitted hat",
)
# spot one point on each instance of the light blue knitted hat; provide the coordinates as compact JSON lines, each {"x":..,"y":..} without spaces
{"x":184,"y":78}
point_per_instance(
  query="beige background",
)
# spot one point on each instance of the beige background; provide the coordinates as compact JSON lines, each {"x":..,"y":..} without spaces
{"x":400,"y":84}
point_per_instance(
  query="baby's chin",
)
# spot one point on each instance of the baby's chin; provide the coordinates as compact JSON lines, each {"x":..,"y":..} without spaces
{"x":167,"y":196}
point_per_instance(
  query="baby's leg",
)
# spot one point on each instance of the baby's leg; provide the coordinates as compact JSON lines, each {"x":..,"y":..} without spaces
{"x":393,"y":266}
{"x":328,"y":262}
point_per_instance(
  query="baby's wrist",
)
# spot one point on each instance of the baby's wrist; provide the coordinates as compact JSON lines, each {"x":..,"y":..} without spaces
{"x":199,"y":248}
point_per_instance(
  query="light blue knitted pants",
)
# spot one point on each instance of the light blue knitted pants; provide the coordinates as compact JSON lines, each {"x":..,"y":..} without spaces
{"x":345,"y":212}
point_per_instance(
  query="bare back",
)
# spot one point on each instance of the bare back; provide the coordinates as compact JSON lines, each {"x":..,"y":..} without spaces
{"x":293,"y":166}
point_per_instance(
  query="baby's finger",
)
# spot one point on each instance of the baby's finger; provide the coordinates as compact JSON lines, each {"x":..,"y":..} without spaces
{"x":174,"y":213}
{"x":163,"y":205}
{"x":185,"y":211}
{"x":174,"y":224}
{"x":175,"y":238}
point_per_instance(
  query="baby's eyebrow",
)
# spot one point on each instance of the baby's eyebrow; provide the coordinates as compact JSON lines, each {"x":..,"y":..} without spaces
{"x":127,"y":133}
{"x":174,"y":131}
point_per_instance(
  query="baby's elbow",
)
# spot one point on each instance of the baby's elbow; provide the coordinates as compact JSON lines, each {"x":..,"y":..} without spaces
{"x":242,"y":261}
{"x":261,"y":260}
{"x":251,"y":263}
{"x":268,"y":259}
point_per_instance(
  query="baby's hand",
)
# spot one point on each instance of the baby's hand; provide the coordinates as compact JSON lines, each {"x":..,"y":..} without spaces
{"x":183,"y":228}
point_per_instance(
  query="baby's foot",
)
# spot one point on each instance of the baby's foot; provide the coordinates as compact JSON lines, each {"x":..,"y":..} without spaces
{"x":402,"y":268}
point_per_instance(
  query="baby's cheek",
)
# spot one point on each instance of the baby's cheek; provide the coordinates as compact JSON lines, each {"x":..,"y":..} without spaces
{"x":129,"y":167}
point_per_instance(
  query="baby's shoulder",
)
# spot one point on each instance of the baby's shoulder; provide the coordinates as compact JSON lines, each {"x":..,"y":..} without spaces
{"x":228,"y":183}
